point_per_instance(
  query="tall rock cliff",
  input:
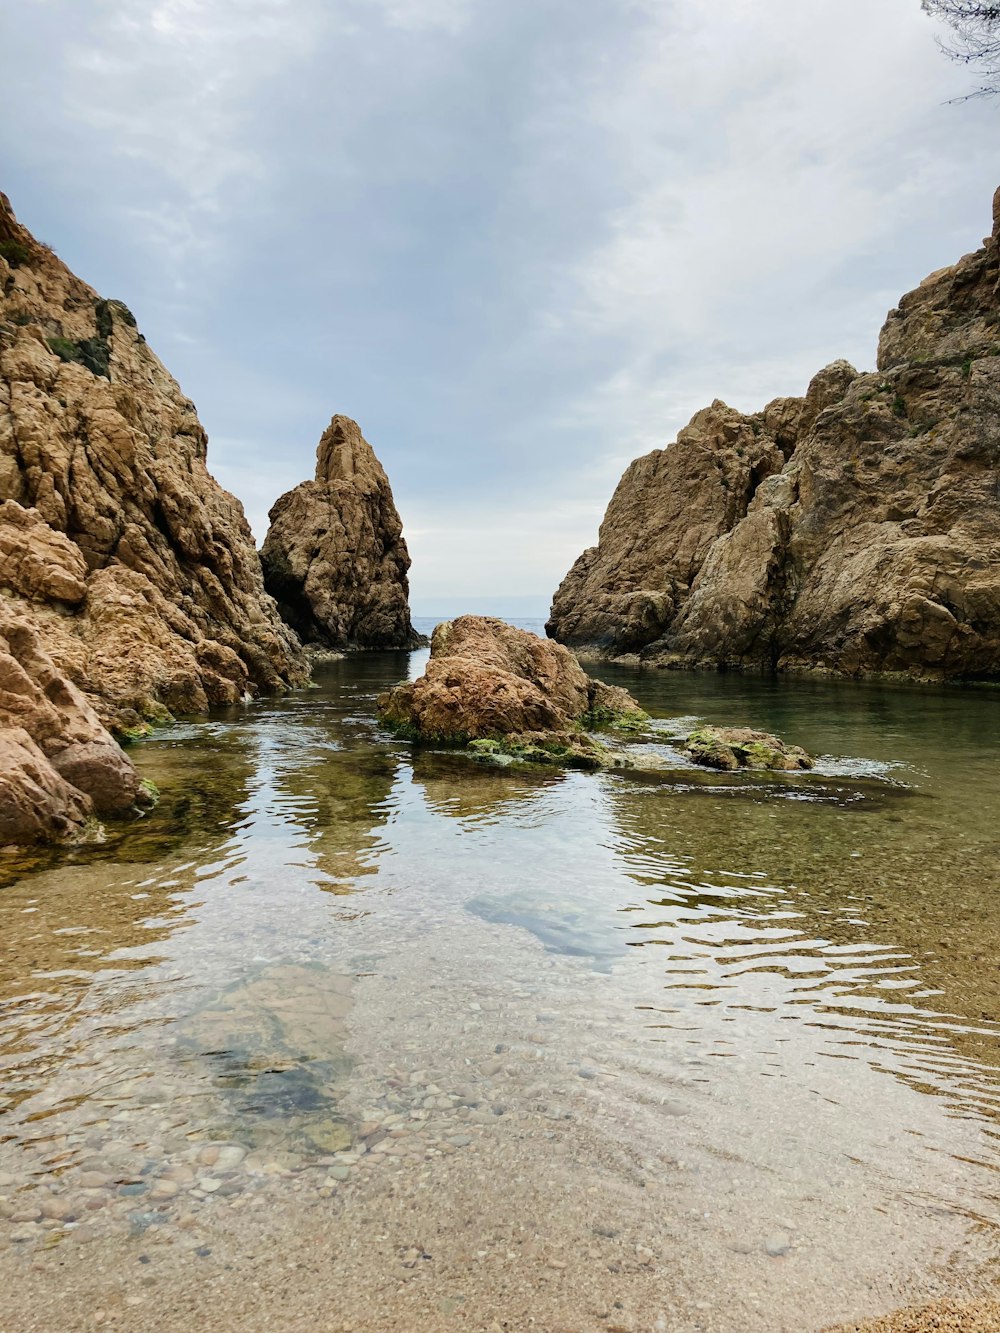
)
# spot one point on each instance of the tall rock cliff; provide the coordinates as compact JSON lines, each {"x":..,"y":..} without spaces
{"x":129,"y":581}
{"x":334,"y":557}
{"x":854,"y":530}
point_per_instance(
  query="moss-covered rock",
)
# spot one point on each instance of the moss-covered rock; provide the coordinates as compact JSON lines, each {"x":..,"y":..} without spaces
{"x":504,"y":694}
{"x":565,"y":749}
{"x":487,"y":680}
{"x":629,"y":720}
{"x":730,"y":748}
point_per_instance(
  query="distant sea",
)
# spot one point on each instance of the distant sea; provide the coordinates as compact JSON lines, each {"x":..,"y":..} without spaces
{"x":536,"y":624}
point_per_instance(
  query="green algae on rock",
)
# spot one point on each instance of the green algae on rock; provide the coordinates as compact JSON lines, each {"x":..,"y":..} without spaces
{"x":566,"y":749}
{"x":501,"y":690}
{"x":729,"y":748}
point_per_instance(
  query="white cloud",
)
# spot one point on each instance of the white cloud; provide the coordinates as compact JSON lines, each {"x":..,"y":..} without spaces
{"x":172,"y":85}
{"x":521,"y":243}
{"x":772,"y":156}
{"x":451,"y":16}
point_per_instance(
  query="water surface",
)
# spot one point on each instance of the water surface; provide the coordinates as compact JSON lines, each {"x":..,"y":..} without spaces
{"x":774,"y":997}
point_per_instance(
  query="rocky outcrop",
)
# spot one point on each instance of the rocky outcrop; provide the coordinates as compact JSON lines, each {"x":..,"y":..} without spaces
{"x":129,"y":576}
{"x":334,"y":557}
{"x":854,"y":530}
{"x":36,"y":804}
{"x":60,"y":766}
{"x":489,"y":682}
{"x":730,"y":748}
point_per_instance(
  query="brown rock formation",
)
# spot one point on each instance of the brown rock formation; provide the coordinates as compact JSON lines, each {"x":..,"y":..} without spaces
{"x":854,"y":530}
{"x":36,"y":804}
{"x":486,"y":680}
{"x":334,"y":557}
{"x":130,"y":573}
{"x":61,"y":765}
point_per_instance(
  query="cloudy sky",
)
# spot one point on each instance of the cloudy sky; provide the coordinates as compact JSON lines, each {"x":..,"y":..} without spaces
{"x":520,"y":241}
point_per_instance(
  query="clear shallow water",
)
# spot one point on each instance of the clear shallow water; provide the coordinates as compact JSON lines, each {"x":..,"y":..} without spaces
{"x":785,"y":987}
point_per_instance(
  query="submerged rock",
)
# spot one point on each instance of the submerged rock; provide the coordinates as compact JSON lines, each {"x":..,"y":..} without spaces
{"x":853,"y":530}
{"x":730,"y":748}
{"x":334,"y":556}
{"x":502,"y":690}
{"x":565,"y":749}
{"x":134,"y":572}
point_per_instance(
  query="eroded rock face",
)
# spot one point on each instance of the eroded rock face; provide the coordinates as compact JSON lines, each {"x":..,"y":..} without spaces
{"x":855,"y":530}
{"x":111,"y":512}
{"x":127,"y":569}
{"x":60,"y":764}
{"x":486,"y":680}
{"x":36,"y":804}
{"x":334,"y":557}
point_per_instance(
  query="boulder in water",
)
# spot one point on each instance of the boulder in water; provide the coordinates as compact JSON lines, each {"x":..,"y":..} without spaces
{"x":730,"y":748}
{"x":492,"y":685}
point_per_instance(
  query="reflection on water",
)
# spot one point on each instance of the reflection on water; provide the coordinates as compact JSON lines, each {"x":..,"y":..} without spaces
{"x":176,"y":1005}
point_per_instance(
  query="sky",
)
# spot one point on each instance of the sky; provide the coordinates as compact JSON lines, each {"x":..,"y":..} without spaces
{"x":519,"y":241}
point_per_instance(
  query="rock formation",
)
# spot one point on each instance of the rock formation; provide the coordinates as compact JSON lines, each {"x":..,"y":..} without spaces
{"x":129,"y":582}
{"x":488,"y":683}
{"x":729,"y":748}
{"x":334,"y":557}
{"x":855,"y":530}
{"x":58,"y":764}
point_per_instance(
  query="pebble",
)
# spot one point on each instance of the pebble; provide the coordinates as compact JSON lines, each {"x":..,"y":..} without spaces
{"x":777,"y":1245}
{"x":181,"y":1174}
{"x":58,"y":1209}
{"x":209,"y":1184}
{"x":164,"y":1189}
{"x":229,"y":1156}
{"x":92,"y":1180}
